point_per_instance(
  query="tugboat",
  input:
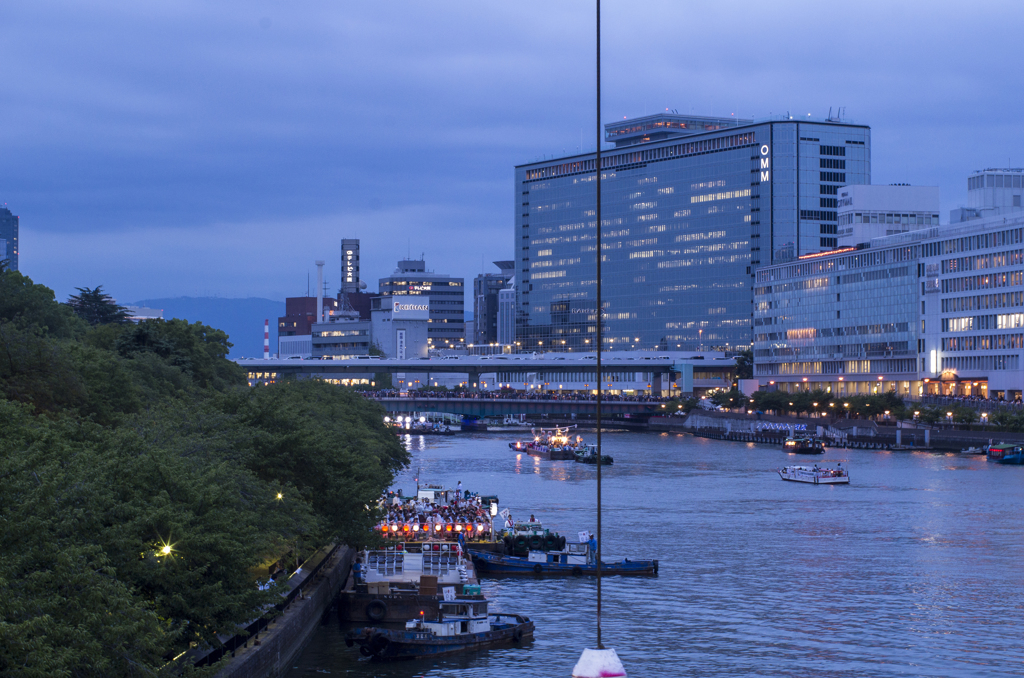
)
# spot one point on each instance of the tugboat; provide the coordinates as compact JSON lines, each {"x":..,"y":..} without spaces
{"x":588,"y":455}
{"x":803,"y":446}
{"x":574,"y":558}
{"x":816,"y":475}
{"x":461,"y":624}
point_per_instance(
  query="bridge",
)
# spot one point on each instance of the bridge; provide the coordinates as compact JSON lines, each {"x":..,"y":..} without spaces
{"x":483,"y":406}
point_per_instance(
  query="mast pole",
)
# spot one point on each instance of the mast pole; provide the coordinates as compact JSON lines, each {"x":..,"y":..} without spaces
{"x":600,"y":314}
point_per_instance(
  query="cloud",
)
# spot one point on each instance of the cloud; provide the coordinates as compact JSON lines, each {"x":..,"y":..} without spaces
{"x":219,"y":148}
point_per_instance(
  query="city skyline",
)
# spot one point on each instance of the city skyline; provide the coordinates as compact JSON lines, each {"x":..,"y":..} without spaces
{"x":143,"y":156}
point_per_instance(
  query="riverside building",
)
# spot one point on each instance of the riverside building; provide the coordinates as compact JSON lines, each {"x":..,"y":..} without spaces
{"x":867,"y":212}
{"x":692,"y":206}
{"x":933,"y":311}
{"x":487,"y":288}
{"x":447,"y":325}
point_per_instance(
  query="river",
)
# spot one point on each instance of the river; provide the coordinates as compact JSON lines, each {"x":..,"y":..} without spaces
{"x":914,"y":569}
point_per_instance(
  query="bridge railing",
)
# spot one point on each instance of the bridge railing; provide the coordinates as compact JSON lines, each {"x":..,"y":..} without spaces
{"x":417,"y":395}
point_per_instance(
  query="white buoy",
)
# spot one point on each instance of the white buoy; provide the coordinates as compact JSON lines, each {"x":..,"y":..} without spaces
{"x":599,"y":664}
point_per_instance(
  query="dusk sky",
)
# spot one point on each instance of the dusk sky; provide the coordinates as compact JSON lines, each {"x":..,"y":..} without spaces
{"x":216,"y":149}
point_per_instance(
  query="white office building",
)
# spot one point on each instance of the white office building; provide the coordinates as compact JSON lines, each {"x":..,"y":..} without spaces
{"x":991,"y":192}
{"x":400,"y":325}
{"x":867,"y":211}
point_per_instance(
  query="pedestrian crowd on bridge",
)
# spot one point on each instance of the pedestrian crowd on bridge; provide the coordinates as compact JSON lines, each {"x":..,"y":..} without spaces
{"x":510,"y":394}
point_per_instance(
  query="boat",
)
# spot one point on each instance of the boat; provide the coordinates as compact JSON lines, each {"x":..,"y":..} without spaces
{"x":515,"y":420}
{"x":526,"y":537}
{"x":588,"y":455}
{"x":554,"y":444}
{"x":461,"y":624}
{"x":1005,"y":453}
{"x":574,"y":559}
{"x":804,"y":445}
{"x":973,"y":450}
{"x":416,"y":561}
{"x":816,"y":475}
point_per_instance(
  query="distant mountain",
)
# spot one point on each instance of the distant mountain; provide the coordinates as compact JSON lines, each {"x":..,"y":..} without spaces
{"x":242,"y":319}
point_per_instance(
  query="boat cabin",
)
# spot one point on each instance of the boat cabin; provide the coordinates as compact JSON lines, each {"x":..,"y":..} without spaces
{"x":997,"y":452}
{"x":575,"y":553}
{"x":407,"y":561}
{"x":433,"y":493}
{"x":455,"y":618}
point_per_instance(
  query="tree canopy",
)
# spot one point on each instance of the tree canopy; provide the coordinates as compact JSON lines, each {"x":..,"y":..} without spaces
{"x":96,"y":307}
{"x":143,"y":483}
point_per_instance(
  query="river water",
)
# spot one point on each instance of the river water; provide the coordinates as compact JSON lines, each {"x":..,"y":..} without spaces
{"x":914,"y":569}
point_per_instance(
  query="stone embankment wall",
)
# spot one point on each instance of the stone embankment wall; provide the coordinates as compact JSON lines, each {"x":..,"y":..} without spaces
{"x":859,"y":433}
{"x":280,"y":643}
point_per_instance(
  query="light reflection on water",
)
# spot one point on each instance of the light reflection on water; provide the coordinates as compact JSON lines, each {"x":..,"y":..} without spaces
{"x":911,"y":570}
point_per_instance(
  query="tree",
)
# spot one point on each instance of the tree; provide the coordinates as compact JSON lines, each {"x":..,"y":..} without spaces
{"x":96,"y":307}
{"x":728,"y":399}
{"x":745,"y":364}
{"x":24,"y":304}
{"x":1002,"y":419}
{"x":196,"y":349}
{"x":328,"y":442}
{"x":965,"y":415}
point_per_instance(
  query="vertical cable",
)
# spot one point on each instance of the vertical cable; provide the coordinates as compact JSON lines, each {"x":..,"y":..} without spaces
{"x":600,"y":319}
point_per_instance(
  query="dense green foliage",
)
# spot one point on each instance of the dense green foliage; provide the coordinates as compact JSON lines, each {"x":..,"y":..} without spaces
{"x":119,"y":442}
{"x":96,"y":307}
{"x":822,"y":402}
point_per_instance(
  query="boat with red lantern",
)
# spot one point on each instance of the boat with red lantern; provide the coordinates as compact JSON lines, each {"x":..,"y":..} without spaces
{"x":421,"y":551}
{"x":551,"y":443}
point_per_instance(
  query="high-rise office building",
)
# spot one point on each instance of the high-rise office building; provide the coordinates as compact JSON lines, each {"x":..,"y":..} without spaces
{"x":691,"y":207}
{"x":447,"y":326}
{"x":486,"y":288}
{"x":9,"y":238}
{"x":350,"y":265}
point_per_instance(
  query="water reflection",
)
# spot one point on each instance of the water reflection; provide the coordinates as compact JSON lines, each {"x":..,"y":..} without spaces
{"x":904,"y":572}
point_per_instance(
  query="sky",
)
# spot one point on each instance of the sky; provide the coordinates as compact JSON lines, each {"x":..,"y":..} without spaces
{"x":193,"y":148}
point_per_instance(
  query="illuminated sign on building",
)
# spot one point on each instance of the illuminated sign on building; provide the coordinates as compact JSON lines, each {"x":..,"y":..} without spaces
{"x":766,"y":170}
{"x":406,"y":310}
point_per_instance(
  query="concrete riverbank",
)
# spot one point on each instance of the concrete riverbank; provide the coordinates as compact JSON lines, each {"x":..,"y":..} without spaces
{"x":853,"y":433}
{"x":270,"y":652}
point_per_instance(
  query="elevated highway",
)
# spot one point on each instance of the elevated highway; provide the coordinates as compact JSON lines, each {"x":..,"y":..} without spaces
{"x":659,"y":372}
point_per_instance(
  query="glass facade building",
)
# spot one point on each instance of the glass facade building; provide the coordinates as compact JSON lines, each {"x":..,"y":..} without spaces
{"x":936,"y":311}
{"x":9,"y":238}
{"x":691,"y":207}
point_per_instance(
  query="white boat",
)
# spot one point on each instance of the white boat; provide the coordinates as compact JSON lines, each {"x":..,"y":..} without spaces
{"x":816,"y":475}
{"x":515,"y":420}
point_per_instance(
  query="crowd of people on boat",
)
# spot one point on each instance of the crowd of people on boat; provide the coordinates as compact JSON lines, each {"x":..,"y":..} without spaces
{"x":463,"y":516}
